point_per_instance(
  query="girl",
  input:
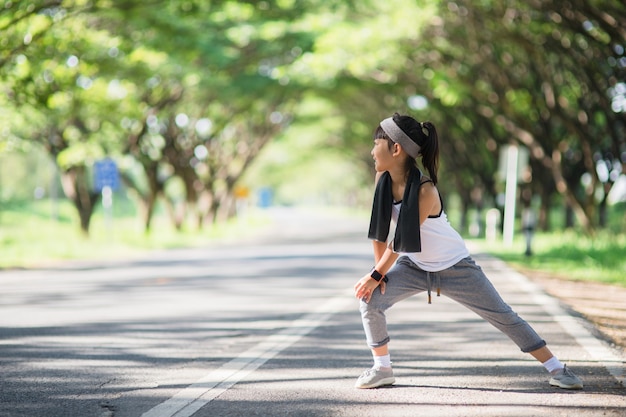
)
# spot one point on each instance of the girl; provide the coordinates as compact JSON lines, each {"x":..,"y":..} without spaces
{"x":425,"y":248}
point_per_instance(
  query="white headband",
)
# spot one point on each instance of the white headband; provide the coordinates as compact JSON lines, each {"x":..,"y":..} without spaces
{"x":398,"y":136}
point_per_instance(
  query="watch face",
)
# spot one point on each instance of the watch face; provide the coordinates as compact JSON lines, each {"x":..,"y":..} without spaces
{"x":376,"y":275}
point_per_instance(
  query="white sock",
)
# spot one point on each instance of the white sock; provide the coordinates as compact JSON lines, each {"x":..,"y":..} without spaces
{"x":382,"y":361}
{"x":552,"y":364}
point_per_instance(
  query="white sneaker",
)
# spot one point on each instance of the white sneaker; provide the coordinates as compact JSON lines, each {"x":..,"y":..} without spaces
{"x":375,"y":377}
{"x":566,"y":379}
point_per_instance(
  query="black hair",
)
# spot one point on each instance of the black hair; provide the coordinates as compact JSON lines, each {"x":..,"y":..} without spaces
{"x":424,"y":134}
{"x":379,"y":133}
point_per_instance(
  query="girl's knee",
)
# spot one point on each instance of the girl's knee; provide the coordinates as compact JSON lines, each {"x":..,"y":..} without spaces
{"x":375,"y":304}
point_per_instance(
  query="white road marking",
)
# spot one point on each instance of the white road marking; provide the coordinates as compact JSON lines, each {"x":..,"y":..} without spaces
{"x":191,"y":399}
{"x":186,"y":402}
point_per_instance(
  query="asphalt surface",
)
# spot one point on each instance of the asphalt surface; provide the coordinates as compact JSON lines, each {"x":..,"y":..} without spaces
{"x":269,"y":327}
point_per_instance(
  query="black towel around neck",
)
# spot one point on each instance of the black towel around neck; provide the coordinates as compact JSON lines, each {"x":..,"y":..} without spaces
{"x":407,"y":237}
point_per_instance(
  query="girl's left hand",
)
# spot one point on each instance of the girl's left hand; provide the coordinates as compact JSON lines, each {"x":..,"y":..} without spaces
{"x":366,"y":286}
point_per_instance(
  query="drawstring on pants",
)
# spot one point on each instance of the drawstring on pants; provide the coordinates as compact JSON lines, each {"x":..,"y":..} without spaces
{"x":429,"y":286}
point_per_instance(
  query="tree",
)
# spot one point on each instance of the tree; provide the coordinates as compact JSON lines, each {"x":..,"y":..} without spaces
{"x":526,"y":64}
{"x":228,"y":83}
{"x":61,"y":81}
{"x":193,"y":91}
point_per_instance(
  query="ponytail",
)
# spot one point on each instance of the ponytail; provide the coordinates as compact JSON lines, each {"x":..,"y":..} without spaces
{"x":425,"y":136}
{"x":430,"y":151}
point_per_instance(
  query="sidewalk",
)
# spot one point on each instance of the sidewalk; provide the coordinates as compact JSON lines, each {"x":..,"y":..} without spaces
{"x":447,"y":362}
{"x":604,"y":305}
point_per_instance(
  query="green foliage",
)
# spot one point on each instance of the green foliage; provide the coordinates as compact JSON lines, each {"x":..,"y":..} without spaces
{"x":26,"y":173}
{"x":310,"y":163}
{"x":571,"y":255}
{"x":137,"y":80}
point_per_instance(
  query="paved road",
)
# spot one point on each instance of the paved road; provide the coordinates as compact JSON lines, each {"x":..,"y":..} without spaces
{"x":269,"y":328}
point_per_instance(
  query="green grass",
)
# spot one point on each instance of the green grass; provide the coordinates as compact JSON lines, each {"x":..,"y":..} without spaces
{"x":568,"y":255}
{"x":30,"y":236}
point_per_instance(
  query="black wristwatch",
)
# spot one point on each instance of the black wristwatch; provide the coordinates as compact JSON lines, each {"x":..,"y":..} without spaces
{"x":377,"y":276}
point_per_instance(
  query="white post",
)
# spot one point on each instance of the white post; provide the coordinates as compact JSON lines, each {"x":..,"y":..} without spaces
{"x":107,"y":203}
{"x":54,"y":192}
{"x":510,"y":195}
{"x":491,"y":231}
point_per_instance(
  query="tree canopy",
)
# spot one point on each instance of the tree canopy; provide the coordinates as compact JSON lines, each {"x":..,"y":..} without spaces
{"x":186,"y":95}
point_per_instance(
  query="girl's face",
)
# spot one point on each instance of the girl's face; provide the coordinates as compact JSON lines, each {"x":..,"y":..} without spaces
{"x":383,"y":156}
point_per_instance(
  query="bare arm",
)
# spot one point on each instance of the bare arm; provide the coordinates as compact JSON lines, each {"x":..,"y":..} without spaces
{"x":379,"y":250}
{"x":430,"y":204}
{"x":384,"y":257}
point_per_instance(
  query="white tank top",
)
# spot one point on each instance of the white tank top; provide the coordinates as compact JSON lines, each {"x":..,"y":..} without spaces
{"x":442,"y":246}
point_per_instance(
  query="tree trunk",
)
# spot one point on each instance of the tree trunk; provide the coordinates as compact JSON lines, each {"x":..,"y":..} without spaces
{"x":572,"y":203}
{"x":603,"y":212}
{"x":75,"y":183}
{"x":569,"y":217}
{"x":543,"y":219}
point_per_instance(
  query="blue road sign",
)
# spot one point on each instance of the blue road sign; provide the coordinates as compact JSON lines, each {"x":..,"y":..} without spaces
{"x":106,"y":175}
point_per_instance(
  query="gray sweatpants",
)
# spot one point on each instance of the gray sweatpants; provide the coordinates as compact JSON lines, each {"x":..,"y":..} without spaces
{"x":464,"y":282}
